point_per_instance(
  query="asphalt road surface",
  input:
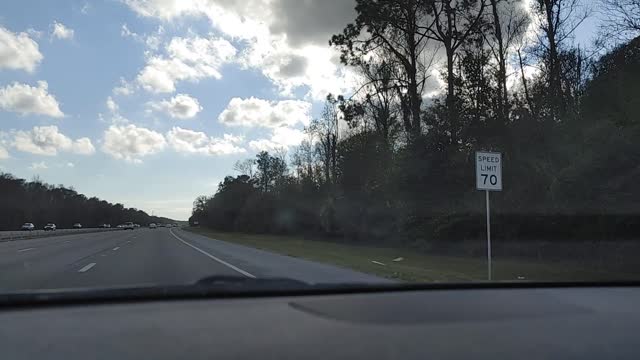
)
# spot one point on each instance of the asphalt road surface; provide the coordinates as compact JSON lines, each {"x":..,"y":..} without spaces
{"x":148,"y":257}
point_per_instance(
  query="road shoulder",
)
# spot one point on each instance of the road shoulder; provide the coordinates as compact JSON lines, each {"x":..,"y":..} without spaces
{"x":269,"y":263}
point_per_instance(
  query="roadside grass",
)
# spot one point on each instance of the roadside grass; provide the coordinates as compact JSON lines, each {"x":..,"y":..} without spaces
{"x":414,"y":266}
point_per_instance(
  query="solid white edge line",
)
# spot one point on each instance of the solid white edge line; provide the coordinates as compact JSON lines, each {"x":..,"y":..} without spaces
{"x":27,"y":249}
{"x":87,"y":267}
{"x":247,"y":274}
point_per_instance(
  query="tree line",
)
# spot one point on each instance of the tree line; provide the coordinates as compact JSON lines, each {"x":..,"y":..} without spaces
{"x":394,"y":161}
{"x":40,"y":203}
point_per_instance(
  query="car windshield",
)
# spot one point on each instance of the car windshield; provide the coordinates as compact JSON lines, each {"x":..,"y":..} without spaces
{"x":342,"y":142}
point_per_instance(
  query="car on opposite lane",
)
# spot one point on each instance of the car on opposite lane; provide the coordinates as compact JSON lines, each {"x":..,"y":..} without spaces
{"x":50,"y":227}
{"x":152,"y":226}
{"x":27,"y":227}
{"x":128,"y":226}
{"x":77,"y":226}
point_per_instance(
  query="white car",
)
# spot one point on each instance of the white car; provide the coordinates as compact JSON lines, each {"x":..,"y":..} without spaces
{"x":77,"y":226}
{"x":27,"y":227}
{"x":50,"y":227}
{"x":128,"y":226}
{"x":152,"y":226}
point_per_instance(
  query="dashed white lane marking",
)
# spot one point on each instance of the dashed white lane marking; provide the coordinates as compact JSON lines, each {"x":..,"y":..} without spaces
{"x":87,"y":267}
{"x":27,"y":249}
{"x":116,"y":248}
{"x":247,"y":274}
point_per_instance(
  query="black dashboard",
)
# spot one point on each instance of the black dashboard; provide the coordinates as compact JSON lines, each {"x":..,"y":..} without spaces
{"x":479,"y":323}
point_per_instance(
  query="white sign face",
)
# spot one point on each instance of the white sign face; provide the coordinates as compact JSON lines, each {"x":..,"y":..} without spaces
{"x":488,"y":171}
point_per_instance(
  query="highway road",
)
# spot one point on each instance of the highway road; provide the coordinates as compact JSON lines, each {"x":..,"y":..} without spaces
{"x":160,"y":256}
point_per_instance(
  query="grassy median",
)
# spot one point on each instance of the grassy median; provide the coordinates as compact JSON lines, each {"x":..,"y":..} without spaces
{"x":410,"y":265}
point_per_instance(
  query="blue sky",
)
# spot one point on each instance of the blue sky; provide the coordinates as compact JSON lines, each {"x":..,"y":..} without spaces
{"x":151,"y":102}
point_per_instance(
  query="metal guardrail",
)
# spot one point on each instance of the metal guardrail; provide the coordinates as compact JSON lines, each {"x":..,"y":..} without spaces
{"x":33,"y":234}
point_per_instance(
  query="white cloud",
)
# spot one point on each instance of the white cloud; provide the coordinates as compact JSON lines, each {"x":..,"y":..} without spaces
{"x":61,"y":32}
{"x":25,"y":99}
{"x":118,"y":119}
{"x":281,"y":138}
{"x":48,"y":140}
{"x":69,"y":165}
{"x":258,"y":112}
{"x":125,"y":32}
{"x":86,"y":7}
{"x":83,"y":146}
{"x":18,"y":51}
{"x":285,"y":39}
{"x":38,"y":166}
{"x":195,"y":142}
{"x":125,"y":88}
{"x":164,"y":9}
{"x":233,"y":138}
{"x":316,"y":67}
{"x":45,"y":140}
{"x":264,"y":145}
{"x":302,"y":22}
{"x":181,"y":106}
{"x":288,"y":137}
{"x":34,"y":33}
{"x":314,"y":22}
{"x":151,"y":41}
{"x":112,"y":105}
{"x":131,"y":143}
{"x":186,"y":59}
{"x":113,"y":119}
{"x":4,"y":154}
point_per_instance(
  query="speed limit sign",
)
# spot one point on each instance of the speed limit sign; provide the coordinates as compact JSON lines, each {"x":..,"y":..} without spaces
{"x":488,"y":178}
{"x":488,"y":171}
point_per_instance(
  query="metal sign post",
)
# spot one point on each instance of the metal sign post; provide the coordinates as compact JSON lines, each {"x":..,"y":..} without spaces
{"x":488,"y":237}
{"x":488,"y":178}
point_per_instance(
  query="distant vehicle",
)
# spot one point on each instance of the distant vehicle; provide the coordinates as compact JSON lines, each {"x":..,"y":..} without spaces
{"x":77,"y":226}
{"x":105,"y":226}
{"x":50,"y":227}
{"x":120,"y":226}
{"x":128,"y":226}
{"x":27,"y":227}
{"x":136,"y":225}
{"x":152,"y":226}
{"x":196,"y":223}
